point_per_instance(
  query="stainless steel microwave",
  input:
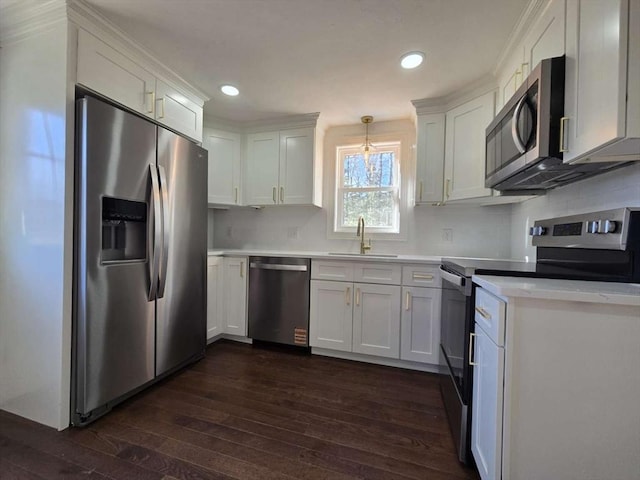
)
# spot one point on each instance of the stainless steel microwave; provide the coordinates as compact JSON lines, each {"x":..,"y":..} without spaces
{"x":527,"y":129}
{"x":525,"y":141}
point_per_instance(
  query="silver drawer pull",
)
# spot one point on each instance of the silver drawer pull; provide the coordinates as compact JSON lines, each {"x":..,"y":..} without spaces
{"x":483,"y":313}
{"x":422,"y":276}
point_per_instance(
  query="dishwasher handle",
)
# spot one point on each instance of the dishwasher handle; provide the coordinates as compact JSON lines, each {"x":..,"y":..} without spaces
{"x":278,"y":266}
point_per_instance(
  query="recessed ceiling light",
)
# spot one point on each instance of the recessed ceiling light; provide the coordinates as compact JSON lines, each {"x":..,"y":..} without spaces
{"x":229,"y":90}
{"x":411,"y":59}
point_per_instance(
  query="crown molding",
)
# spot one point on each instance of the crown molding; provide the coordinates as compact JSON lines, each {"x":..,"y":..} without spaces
{"x":484,"y":84}
{"x":25,"y":18}
{"x":86,"y":17}
{"x":518,"y":32}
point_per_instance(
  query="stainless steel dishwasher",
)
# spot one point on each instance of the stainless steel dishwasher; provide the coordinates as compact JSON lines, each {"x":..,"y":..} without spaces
{"x":279,"y":299}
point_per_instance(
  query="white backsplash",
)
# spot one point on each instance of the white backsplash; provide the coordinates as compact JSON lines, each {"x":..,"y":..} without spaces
{"x":473,"y":231}
{"x":620,"y":188}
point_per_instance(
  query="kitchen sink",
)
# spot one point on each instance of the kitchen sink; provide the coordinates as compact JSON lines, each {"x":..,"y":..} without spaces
{"x":373,"y":255}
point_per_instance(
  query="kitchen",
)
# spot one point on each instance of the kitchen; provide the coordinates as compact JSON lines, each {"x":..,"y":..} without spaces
{"x":40,"y":349}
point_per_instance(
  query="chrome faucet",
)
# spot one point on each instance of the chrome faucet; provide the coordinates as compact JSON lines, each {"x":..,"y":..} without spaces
{"x":360,"y":233}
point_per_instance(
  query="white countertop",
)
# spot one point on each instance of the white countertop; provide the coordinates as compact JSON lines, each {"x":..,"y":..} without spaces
{"x":370,"y":257}
{"x":569,"y":290}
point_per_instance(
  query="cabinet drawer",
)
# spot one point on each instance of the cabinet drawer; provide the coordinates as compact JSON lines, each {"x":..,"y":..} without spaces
{"x":421,"y":276}
{"x":490,"y":315}
{"x":384,"y":273}
{"x":337,"y":271}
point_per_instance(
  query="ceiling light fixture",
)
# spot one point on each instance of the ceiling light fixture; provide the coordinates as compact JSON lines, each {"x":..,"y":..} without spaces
{"x":411,"y":60}
{"x":229,"y":90}
{"x":366,"y":148}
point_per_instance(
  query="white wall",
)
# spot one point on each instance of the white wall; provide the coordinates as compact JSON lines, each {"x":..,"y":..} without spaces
{"x":35,"y":303}
{"x":475,"y":231}
{"x":620,"y":188}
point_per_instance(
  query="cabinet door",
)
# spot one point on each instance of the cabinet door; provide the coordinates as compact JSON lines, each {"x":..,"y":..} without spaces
{"x":330,"y":317}
{"x":376,"y":320}
{"x":235,"y":295}
{"x":465,"y":148}
{"x":511,"y":76}
{"x":178,"y":112}
{"x":261,"y":169}
{"x":546,"y":37}
{"x":430,"y":158}
{"x":420,"y":325}
{"x":486,"y":417}
{"x":595,"y":75}
{"x":215,"y":296}
{"x":224,"y":167}
{"x":296,"y":167}
{"x":108,"y":72}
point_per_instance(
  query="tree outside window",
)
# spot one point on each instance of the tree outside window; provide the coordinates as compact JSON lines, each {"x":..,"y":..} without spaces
{"x":369,"y":188}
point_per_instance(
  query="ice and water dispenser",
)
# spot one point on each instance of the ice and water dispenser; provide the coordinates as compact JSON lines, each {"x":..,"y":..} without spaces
{"x":124,"y":230}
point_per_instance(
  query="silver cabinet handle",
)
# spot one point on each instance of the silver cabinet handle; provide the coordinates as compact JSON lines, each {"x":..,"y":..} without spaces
{"x":154,"y":264}
{"x":407,"y":301}
{"x":422,"y":276}
{"x":274,"y":195}
{"x":348,"y":295}
{"x":278,"y":266}
{"x":563,"y":131}
{"x":162,"y":107}
{"x":483,"y":313}
{"x":236,"y":194}
{"x":357,"y":297}
{"x":471,"y":335}
{"x":448,"y":188}
{"x":420,"y":190}
{"x":515,"y":134}
{"x":281,"y":194}
{"x":164,"y":190}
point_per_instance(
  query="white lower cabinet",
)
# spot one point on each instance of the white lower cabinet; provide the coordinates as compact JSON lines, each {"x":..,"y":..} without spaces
{"x":420,"y":325}
{"x":356,"y":307}
{"x":331,"y":315}
{"x":235,"y":296}
{"x":376,"y":320}
{"x":486,"y":423}
{"x":215,"y":296}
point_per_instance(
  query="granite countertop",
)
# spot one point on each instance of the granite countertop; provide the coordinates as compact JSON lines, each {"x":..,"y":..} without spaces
{"x":554,"y":289}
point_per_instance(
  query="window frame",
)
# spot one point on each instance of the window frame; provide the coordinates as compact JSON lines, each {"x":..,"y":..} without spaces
{"x":342,"y":151}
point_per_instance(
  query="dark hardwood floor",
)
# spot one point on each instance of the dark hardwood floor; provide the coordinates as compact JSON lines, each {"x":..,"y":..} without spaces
{"x":253,"y":413}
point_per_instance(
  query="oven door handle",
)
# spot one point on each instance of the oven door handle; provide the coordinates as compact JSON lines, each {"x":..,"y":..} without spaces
{"x":451,"y":278}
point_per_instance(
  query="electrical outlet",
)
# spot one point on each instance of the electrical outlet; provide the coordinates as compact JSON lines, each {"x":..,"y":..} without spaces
{"x":447,"y":235}
{"x":292,"y":233}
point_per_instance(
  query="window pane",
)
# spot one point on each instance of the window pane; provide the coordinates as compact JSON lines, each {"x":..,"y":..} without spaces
{"x":377,"y":172}
{"x":377,"y":208}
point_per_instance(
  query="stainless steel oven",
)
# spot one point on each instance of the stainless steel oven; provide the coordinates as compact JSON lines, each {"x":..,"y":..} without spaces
{"x":598,"y":246}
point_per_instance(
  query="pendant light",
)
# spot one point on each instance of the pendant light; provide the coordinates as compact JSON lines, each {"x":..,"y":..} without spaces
{"x":367,"y":119}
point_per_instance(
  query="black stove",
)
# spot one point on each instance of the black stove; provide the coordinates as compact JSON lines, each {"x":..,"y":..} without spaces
{"x":602,"y":246}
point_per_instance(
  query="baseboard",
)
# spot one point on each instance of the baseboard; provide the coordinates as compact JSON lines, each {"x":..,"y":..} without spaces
{"x":389,"y":362}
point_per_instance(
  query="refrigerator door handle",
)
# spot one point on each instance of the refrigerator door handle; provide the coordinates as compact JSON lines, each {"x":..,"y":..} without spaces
{"x":154,"y":264}
{"x":165,"y":231}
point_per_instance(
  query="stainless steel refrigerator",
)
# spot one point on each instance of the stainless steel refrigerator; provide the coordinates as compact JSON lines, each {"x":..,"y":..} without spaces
{"x":140,"y":256}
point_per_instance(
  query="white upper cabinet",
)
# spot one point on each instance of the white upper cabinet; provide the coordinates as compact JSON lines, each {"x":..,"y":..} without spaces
{"x":296,"y":166}
{"x":224,"y":166}
{"x":511,"y":76}
{"x":546,"y":37}
{"x":177,"y":112}
{"x":261,"y":168}
{"x":464,"y":159}
{"x":280,"y":168}
{"x":430,"y":158}
{"x":109,"y":72}
{"x":602,"y":90}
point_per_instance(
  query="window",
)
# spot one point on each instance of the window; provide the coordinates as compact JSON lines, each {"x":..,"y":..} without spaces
{"x":370,"y":189}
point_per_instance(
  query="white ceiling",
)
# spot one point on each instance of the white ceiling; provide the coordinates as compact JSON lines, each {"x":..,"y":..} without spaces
{"x":336,"y":57}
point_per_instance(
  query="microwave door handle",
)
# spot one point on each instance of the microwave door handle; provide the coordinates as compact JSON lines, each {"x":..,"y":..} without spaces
{"x":514,"y":125}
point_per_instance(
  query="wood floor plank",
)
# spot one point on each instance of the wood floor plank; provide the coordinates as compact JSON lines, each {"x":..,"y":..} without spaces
{"x":253,"y":412}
